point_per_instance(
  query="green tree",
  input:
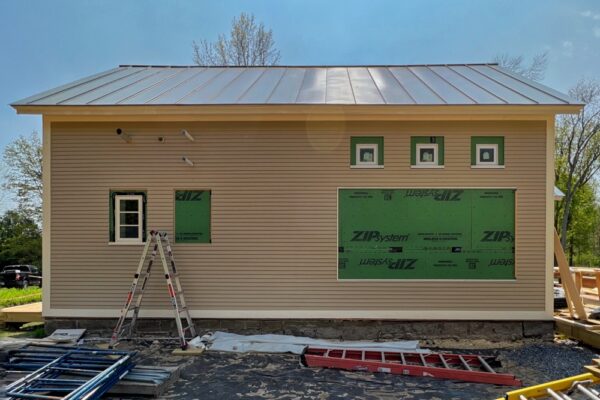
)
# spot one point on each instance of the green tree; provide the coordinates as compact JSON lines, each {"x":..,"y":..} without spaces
{"x":23,"y":173}
{"x":20,"y":239}
{"x":584,"y":224}
{"x":248,"y":44}
{"x":577,"y":150}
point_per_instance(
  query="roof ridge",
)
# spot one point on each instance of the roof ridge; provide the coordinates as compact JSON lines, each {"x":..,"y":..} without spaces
{"x":300,"y":66}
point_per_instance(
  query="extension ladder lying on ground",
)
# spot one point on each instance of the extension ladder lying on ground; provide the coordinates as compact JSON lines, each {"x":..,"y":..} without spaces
{"x":182,"y":315}
{"x":561,"y":389}
{"x":78,"y":374}
{"x":464,"y":367}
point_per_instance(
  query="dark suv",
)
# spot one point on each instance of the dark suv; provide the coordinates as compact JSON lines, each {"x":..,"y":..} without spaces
{"x":20,"y":276}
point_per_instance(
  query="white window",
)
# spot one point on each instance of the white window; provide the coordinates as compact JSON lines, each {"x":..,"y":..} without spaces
{"x":427,"y":154}
{"x":366,"y":155}
{"x":129,"y":218}
{"x":487,"y":154}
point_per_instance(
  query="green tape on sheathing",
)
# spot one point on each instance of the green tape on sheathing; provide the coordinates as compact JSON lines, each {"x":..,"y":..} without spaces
{"x":192,"y":216}
{"x":426,"y":233}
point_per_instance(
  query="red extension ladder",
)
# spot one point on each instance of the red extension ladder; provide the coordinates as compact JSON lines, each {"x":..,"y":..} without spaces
{"x":463,"y":367}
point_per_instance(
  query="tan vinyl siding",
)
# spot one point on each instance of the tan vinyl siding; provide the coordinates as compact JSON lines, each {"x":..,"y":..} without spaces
{"x":274,"y":211}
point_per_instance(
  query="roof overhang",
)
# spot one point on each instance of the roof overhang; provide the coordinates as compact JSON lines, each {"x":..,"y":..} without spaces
{"x":290,"y":112}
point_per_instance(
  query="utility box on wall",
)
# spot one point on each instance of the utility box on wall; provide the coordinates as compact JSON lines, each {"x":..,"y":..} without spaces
{"x":426,"y":234}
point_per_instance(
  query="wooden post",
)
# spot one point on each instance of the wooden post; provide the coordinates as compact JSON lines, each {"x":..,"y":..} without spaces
{"x":572,"y":294}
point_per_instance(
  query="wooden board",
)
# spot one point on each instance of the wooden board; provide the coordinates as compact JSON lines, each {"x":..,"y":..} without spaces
{"x":24,"y":313}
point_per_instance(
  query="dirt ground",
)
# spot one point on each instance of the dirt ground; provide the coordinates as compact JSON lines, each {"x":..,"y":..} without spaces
{"x":281,"y":376}
{"x":215,"y":375}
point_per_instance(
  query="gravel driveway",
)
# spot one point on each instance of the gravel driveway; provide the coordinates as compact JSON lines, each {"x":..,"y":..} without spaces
{"x":280,"y":376}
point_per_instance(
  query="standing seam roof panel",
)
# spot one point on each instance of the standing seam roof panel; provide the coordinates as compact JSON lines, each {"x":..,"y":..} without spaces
{"x":287,"y":90}
{"x":149,"y":93}
{"x":172,"y":89}
{"x":445,"y":90}
{"x":477,"y":93}
{"x":238,"y":87}
{"x":136,"y":88}
{"x":339,"y":88}
{"x":100,"y":92}
{"x":84,"y":87}
{"x":504,"y":93}
{"x":521,"y":86}
{"x":260,"y":91}
{"x":212,"y":88}
{"x":416,"y":88}
{"x":314,"y":87}
{"x":185,"y":88}
{"x":365,"y":90}
{"x":389,"y":87}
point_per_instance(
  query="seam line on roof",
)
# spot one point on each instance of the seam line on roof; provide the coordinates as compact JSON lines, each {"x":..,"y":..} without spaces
{"x":251,"y":86}
{"x":401,"y":85}
{"x":375,"y":84}
{"x":168,"y":89}
{"x":69,"y":86}
{"x":103,"y":85}
{"x":426,"y":85}
{"x":351,"y":87}
{"x":220,"y":92}
{"x":479,"y":86}
{"x":268,"y":99}
{"x":503,"y":85}
{"x":126,"y":86}
{"x":326,"y":78}
{"x":197,"y":88}
{"x":452,"y":85}
{"x":178,"y":71}
{"x":304,"y":73}
{"x":538,"y":87}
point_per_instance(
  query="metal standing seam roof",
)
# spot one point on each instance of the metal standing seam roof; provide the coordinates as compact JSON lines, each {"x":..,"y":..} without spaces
{"x":458,"y":84}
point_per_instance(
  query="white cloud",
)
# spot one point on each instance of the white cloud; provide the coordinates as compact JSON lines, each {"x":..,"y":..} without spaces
{"x":590,"y":14}
{"x":567,"y":47}
{"x":597,"y":31}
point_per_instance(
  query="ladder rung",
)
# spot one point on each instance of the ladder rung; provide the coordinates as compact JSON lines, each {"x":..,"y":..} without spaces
{"x":466,"y":364}
{"x":486,"y":365}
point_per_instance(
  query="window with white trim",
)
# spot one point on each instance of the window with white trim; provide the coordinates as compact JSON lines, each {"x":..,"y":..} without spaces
{"x":487,"y":154}
{"x":129,"y":218}
{"x":366,"y":154}
{"x":427,"y":154}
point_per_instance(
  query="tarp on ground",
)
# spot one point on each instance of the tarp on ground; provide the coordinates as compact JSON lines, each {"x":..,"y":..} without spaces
{"x":231,"y":342}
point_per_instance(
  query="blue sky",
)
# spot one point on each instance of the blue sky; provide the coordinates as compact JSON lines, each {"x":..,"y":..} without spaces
{"x":46,"y":43}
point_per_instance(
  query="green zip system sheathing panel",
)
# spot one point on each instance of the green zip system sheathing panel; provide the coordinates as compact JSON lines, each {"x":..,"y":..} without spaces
{"x":426,"y":234}
{"x":192,"y":216}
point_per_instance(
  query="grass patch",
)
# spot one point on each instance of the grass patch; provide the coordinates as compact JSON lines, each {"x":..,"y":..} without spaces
{"x":16,"y":297}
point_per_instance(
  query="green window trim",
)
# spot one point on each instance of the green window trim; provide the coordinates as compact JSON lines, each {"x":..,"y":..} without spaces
{"x":497,"y":140}
{"x":414,"y":140}
{"x":192,"y":216}
{"x":376,"y":140}
{"x":111,"y":211}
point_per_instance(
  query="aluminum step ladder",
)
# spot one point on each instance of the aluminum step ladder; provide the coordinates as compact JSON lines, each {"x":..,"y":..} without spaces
{"x":463,"y":367}
{"x":131,"y":309}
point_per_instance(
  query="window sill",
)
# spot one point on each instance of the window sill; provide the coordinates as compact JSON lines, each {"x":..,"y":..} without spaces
{"x":126,"y":243}
{"x":487,"y":166}
{"x":366,"y":166}
{"x":427,"y":166}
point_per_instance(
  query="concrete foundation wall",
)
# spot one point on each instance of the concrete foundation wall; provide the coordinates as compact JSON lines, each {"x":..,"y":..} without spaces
{"x":335,"y":329}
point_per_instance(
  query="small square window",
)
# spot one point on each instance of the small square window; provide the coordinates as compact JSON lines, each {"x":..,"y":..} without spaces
{"x":487,"y":154}
{"x":366,"y":152}
{"x":427,"y":154}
